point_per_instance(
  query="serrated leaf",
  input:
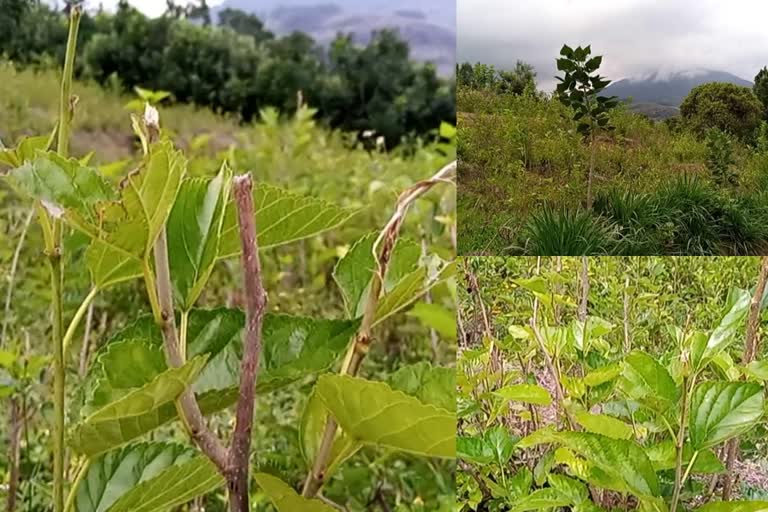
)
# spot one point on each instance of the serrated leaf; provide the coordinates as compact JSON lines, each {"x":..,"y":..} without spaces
{"x":145,"y":477}
{"x":643,"y":378}
{"x":194,"y":230}
{"x":430,"y":384}
{"x":281,"y":217}
{"x":526,"y":393}
{"x":620,"y":460}
{"x":474,"y":449}
{"x":312,"y":427}
{"x":364,"y":408}
{"x":604,"y":424}
{"x":285,"y":499}
{"x":133,"y":414}
{"x":721,"y":410}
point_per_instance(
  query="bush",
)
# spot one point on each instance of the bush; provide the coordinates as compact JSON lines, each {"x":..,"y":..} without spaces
{"x":637,"y":217}
{"x":720,"y":157}
{"x":722,"y":105}
{"x":563,"y":232}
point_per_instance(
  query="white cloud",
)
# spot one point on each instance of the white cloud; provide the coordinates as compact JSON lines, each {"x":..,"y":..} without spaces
{"x":634,"y":36}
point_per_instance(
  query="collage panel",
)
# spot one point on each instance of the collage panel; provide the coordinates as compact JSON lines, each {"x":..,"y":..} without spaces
{"x":623,"y":128}
{"x":605,"y":383}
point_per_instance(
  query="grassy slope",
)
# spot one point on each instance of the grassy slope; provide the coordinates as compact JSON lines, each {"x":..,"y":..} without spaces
{"x":517,"y":154}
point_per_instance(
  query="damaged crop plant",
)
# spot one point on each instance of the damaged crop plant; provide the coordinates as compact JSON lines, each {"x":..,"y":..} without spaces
{"x":181,"y":364}
{"x":596,"y":384}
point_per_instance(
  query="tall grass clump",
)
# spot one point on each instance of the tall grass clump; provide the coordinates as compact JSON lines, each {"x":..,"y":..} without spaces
{"x":564,"y":232}
{"x":637,"y":217}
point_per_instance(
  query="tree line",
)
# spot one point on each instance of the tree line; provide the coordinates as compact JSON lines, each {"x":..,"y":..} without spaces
{"x":238,"y":66}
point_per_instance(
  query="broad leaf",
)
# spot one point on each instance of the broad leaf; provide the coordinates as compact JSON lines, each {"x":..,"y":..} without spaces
{"x":526,"y":393}
{"x":281,"y":217}
{"x":732,"y":322}
{"x":363,"y":409}
{"x":436,"y":317}
{"x":134,"y":413}
{"x":721,"y":410}
{"x":431,"y":384}
{"x":501,"y":443}
{"x":145,"y":477}
{"x":474,"y":449}
{"x":194,"y":230}
{"x":542,"y":499}
{"x":285,"y":499}
{"x":663,"y":457}
{"x":620,"y":460}
{"x":645,"y":379}
{"x":604,"y":424}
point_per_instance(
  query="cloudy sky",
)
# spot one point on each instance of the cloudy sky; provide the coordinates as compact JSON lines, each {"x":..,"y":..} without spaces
{"x":634,"y":36}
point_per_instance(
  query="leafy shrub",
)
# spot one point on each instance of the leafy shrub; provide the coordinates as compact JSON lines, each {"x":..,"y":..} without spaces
{"x":728,"y":107}
{"x":561,"y":232}
{"x":720,"y":157}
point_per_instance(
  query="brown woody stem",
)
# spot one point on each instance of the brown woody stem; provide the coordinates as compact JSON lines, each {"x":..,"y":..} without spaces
{"x":255,"y":302}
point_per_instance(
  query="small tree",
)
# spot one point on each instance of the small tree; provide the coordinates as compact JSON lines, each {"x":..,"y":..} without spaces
{"x":761,"y":89}
{"x":720,"y":157}
{"x":517,"y":81}
{"x":579,"y":89}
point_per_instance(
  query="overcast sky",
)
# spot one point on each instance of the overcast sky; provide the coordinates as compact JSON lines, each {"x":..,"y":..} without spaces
{"x":634,"y":36}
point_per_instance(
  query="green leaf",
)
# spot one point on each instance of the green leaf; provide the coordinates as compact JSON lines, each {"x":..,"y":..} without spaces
{"x":134,"y":413}
{"x":282,"y":217}
{"x":542,"y":499}
{"x":145,"y":477}
{"x":194,"y":230}
{"x":109,"y":266}
{"x":602,"y":375}
{"x":722,"y":410}
{"x":474,"y":449}
{"x":732,"y":322}
{"x":605,"y":425}
{"x":413,"y":286}
{"x":433,"y":385}
{"x":285,"y":499}
{"x":645,"y":379}
{"x":501,"y":443}
{"x":735,"y":506}
{"x":526,"y":393}
{"x":436,"y":317}
{"x":621,"y":460}
{"x":364,"y":408}
{"x":663,"y":457}
{"x":292,"y":348}
{"x":311,"y":431}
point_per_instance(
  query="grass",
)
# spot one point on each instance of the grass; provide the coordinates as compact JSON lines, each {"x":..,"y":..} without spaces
{"x":522,"y":165}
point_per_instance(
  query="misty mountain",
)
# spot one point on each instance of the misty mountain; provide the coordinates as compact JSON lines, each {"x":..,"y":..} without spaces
{"x":429,"y":26}
{"x":669,"y":88}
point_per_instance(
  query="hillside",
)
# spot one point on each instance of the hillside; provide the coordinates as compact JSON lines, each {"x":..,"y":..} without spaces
{"x":658,"y":94}
{"x":429,"y":27}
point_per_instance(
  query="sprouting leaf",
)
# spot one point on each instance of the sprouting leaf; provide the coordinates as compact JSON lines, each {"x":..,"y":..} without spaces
{"x":526,"y":393}
{"x":437,"y":317}
{"x":363,"y":409}
{"x":133,"y":414}
{"x":501,"y":442}
{"x":285,"y":499}
{"x":281,"y":217}
{"x":194,"y":230}
{"x":145,"y":477}
{"x":721,"y":410}
{"x":604,"y":424}
{"x":413,"y":286}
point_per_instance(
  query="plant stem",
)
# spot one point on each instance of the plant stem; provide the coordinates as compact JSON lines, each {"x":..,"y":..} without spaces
{"x":82,"y":470}
{"x":750,"y":351}
{"x":189,"y":410}
{"x":66,"y":107}
{"x":12,"y":275}
{"x":79,"y":314}
{"x":382,"y":251}
{"x":255,"y":302}
{"x":681,"y":443}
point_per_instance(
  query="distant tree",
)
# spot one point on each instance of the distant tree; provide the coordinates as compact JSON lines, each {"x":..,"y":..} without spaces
{"x":725,"y":106}
{"x":244,"y":23}
{"x":464,"y":74}
{"x":579,"y":89}
{"x":761,"y":89}
{"x":517,"y":81}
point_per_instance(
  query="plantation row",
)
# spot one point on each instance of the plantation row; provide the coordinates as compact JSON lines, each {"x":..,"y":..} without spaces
{"x":598,"y":384}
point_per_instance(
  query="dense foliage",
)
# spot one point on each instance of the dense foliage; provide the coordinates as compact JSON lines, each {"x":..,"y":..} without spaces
{"x":240,"y":67}
{"x":520,"y":80}
{"x":724,"y":106}
{"x":659,"y":188}
{"x":117,"y":381}
{"x":595,"y":384}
